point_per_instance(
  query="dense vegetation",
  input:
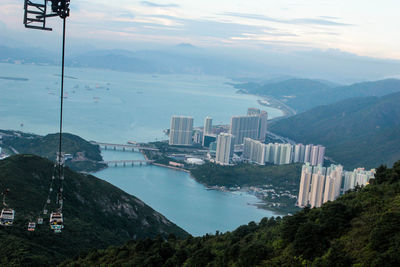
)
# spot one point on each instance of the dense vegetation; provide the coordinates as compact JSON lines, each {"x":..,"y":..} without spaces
{"x":277,"y":185}
{"x":303,"y":94}
{"x":96,"y":214}
{"x":361,"y":228}
{"x":356,"y":132}
{"x":248,"y":175}
{"x":86,"y":155}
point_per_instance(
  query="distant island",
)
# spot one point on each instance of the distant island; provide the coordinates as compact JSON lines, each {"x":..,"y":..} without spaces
{"x":14,"y":78}
{"x":66,"y":76}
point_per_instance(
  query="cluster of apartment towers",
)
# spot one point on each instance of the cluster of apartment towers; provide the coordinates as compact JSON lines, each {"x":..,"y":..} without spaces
{"x":252,"y":125}
{"x":246,"y":134}
{"x":319,"y":184}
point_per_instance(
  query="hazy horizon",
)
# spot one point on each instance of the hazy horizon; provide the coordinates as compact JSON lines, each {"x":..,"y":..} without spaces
{"x":342,"y":42}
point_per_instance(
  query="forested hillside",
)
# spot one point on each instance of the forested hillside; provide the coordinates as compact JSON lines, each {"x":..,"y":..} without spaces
{"x":361,"y":228}
{"x":86,"y":156}
{"x":357,"y":132}
{"x":304,"y":94}
{"x":96,"y":214}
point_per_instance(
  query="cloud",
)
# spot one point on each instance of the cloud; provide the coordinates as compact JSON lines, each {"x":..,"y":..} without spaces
{"x":126,"y":14}
{"x":152,"y":4}
{"x":329,"y":17}
{"x":322,"y":21}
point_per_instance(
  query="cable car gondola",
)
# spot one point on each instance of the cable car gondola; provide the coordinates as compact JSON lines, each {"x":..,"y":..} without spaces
{"x":56,"y":221}
{"x":31,"y":226}
{"x":7,"y":217}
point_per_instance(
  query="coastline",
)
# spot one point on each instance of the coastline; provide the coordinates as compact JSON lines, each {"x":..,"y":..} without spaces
{"x":250,"y":190}
{"x":271,"y":102}
{"x":170,"y":167}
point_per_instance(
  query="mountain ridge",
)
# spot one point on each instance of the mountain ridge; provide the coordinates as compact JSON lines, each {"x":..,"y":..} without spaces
{"x":350,"y":129}
{"x":303,"y":94}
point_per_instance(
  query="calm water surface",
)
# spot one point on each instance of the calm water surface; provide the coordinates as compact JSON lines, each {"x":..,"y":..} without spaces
{"x":111,"y":106}
{"x":180,"y":198}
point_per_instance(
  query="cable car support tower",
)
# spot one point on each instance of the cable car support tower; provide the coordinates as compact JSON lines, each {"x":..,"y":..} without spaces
{"x":35,"y":14}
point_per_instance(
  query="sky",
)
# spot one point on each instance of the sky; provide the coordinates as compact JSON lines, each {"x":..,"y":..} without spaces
{"x":365,"y":28}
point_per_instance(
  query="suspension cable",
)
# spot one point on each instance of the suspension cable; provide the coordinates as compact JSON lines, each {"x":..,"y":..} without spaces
{"x":60,"y":157}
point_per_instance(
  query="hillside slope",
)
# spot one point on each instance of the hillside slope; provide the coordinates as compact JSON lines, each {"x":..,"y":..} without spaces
{"x":303,"y":94}
{"x":361,"y":228}
{"x":86,"y":156}
{"x":356,"y":132}
{"x":96,"y":214}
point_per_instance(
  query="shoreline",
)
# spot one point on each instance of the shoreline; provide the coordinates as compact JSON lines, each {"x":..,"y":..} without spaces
{"x":271,"y":102}
{"x":276,"y":104}
{"x":261,"y":204}
{"x":170,"y":167}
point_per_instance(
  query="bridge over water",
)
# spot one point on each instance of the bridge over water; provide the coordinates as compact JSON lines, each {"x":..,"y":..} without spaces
{"x":123,"y":147}
{"x":123,"y":163}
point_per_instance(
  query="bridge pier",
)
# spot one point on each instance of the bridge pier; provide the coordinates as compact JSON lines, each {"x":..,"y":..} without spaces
{"x":105,"y":147}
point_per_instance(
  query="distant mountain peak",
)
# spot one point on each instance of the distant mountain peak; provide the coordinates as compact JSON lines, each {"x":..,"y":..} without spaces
{"x":185,"y":45}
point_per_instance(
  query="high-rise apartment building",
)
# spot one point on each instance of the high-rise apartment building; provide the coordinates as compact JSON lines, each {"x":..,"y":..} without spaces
{"x":321,"y":155}
{"x":307,"y":153}
{"x":302,"y":152}
{"x":244,"y":126}
{"x":207,"y":131}
{"x":198,"y":137}
{"x":208,"y":125}
{"x":254,"y":151}
{"x":260,"y":153}
{"x":285,"y":154}
{"x":317,"y":186}
{"x":305,"y":182}
{"x":253,"y":111}
{"x":357,"y":177}
{"x":247,"y":142}
{"x":297,"y":153}
{"x":314,"y":155}
{"x":254,"y":126}
{"x":333,"y":183}
{"x":181,"y":131}
{"x":269,"y":153}
{"x":263,"y":126}
{"x":325,"y":183}
{"x":225,"y":146}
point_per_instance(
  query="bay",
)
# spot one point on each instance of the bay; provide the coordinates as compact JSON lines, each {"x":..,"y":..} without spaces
{"x":110,"y":106}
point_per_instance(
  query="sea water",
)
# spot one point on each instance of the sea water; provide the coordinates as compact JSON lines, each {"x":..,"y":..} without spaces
{"x":110,"y":106}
